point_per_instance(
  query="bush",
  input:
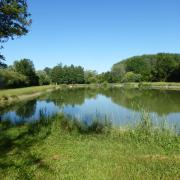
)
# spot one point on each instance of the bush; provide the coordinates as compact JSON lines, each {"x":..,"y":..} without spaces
{"x":10,"y":79}
{"x":132,"y":77}
{"x":44,"y":79}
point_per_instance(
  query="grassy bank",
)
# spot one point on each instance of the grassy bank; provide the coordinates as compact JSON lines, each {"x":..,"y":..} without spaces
{"x":31,"y":90}
{"x":151,"y":85}
{"x":24,"y":91}
{"x":9,"y":96}
{"x":57,"y":148}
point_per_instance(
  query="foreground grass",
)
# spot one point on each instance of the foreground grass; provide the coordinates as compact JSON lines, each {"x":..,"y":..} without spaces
{"x":52,"y":149}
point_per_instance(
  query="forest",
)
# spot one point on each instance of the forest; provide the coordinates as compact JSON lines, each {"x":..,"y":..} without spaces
{"x":162,"y":67}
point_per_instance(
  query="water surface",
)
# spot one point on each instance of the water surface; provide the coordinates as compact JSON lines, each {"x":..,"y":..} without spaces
{"x":119,"y":105}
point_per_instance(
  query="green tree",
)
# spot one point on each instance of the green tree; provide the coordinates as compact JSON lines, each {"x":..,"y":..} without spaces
{"x":14,"y":20}
{"x":67,"y":74}
{"x":57,"y":74}
{"x":90,"y":77}
{"x":11,"y":79}
{"x":164,"y":67}
{"x":43,"y":78}
{"x":132,"y":77}
{"x":118,"y":71}
{"x":79,"y":75}
{"x":108,"y":77}
{"x":156,"y":67}
{"x":26,"y":68}
{"x":47,"y":70}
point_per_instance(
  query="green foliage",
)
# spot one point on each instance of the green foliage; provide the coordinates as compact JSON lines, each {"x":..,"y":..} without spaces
{"x":159,"y":67}
{"x":149,"y":132}
{"x":108,"y":77}
{"x":44,"y":79}
{"x":90,"y":77}
{"x":67,"y":74}
{"x":47,"y":70}
{"x":2,"y":64}
{"x":166,"y":66}
{"x":11,"y":79}
{"x":26,"y":68}
{"x":132,"y":77}
{"x":14,"y":20}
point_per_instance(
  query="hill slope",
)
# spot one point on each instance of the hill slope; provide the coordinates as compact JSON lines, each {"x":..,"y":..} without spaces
{"x":156,"y":67}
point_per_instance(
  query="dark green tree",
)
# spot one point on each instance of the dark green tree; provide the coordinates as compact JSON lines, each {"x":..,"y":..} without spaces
{"x":26,"y":68}
{"x":14,"y":20}
{"x":108,"y":77}
{"x":90,"y":76}
{"x":57,"y":74}
{"x":43,"y":78}
{"x":67,"y":74}
{"x":11,"y":79}
{"x":164,"y":67}
{"x":47,"y":70}
{"x":157,"y":67}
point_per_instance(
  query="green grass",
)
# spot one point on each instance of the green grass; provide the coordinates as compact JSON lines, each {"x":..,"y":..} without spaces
{"x":22,"y":91}
{"x":14,"y":93}
{"x":150,"y":85}
{"x":12,"y":96}
{"x":48,"y":150}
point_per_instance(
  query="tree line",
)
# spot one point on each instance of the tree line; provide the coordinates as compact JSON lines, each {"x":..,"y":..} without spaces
{"x":22,"y":73}
{"x":163,"y":67}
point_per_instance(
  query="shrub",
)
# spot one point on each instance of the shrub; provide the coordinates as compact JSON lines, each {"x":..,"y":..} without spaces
{"x":9,"y":79}
{"x":132,"y":77}
{"x":44,"y":79}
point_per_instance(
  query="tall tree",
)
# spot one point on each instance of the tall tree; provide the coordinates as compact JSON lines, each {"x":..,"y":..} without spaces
{"x":43,"y":77}
{"x":67,"y":74}
{"x":14,"y":20}
{"x":26,"y":68}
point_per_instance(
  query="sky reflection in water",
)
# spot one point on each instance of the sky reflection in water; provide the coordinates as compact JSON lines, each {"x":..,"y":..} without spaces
{"x":120,"y":106}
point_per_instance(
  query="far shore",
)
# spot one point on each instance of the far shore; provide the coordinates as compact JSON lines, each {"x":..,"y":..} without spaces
{"x":9,"y":96}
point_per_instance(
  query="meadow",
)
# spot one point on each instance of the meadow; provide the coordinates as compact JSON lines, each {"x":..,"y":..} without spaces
{"x":61,"y":148}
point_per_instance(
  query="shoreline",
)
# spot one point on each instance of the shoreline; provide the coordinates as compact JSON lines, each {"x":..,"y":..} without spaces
{"x":10,"y":96}
{"x":151,"y":85}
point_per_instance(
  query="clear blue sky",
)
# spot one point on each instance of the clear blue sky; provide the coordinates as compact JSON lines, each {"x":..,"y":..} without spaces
{"x":96,"y":33}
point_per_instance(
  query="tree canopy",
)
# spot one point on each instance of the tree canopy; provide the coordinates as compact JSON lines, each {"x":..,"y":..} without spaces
{"x":158,"y":67}
{"x":14,"y":20}
{"x":67,"y":74}
{"x":26,"y":68}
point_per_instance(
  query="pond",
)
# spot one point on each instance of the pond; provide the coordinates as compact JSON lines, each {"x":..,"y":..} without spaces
{"x":121,"y":106}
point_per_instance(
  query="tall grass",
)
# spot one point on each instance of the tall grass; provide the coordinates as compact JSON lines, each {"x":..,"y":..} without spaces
{"x":59,"y":147}
{"x":80,"y":126}
{"x":150,"y":133}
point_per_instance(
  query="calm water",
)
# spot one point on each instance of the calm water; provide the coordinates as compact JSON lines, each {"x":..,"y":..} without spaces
{"x":121,"y":106}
